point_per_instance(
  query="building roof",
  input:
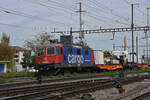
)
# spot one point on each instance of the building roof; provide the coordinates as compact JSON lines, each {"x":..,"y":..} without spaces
{"x":17,"y":48}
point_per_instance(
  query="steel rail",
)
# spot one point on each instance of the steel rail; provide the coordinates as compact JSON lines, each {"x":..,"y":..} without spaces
{"x":20,"y":84}
{"x":30,"y":89}
{"x":143,"y":96}
{"x":66,"y":91}
{"x":90,"y":89}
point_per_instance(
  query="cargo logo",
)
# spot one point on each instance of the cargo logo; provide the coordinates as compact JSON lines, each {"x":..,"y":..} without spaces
{"x":75,"y":59}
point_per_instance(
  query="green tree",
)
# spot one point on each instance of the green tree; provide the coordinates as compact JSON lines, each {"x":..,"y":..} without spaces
{"x":11,"y":64}
{"x":5,"y":39}
{"x":33,"y":59}
{"x":27,"y":59}
{"x":6,"y":51}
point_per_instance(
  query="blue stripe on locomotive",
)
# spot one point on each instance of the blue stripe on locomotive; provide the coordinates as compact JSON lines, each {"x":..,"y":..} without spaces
{"x":74,"y":57}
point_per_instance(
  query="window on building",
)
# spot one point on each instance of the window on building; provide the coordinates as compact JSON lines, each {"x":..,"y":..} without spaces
{"x":69,"y":51}
{"x":41,"y":52}
{"x":86,"y":52}
{"x":16,"y":56}
{"x":78,"y":52}
{"x":16,"y":60}
{"x":17,"y":51}
{"x":50,"y":51}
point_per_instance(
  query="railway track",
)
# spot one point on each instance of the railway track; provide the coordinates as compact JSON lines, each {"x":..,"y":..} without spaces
{"x":44,"y":89}
{"x":145,"y":96}
{"x":131,"y":93}
{"x":20,"y":84}
{"x":55,"y":91}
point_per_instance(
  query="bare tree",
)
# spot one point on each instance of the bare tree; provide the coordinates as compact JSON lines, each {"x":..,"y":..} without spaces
{"x":38,"y":40}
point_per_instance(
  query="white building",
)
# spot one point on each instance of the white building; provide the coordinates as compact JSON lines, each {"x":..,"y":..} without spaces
{"x":18,"y":58}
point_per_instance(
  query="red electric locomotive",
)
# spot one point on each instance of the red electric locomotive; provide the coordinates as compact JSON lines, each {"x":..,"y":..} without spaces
{"x":65,"y":56}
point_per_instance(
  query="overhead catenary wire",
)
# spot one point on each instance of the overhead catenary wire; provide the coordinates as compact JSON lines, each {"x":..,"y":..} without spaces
{"x":127,"y":2}
{"x":113,"y":13}
{"x":71,"y":9}
{"x":16,"y":26}
{"x":139,"y":10}
{"x":24,"y":27}
{"x":18,"y":13}
{"x":94,"y":16}
{"x":97,"y":3}
{"x":61,"y":5}
{"x":107,"y":18}
{"x":54,"y":7}
{"x":104,"y":17}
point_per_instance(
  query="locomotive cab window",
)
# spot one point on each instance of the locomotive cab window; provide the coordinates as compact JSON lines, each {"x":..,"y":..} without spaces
{"x":78,"y":52}
{"x":50,"y":50}
{"x":40,"y":52}
{"x":69,"y":51}
{"x":86,"y":52}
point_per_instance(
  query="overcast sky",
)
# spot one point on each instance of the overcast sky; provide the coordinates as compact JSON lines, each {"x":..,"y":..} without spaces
{"x":22,"y":19}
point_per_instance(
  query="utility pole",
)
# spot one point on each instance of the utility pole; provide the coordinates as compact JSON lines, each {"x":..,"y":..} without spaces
{"x":146,"y":34}
{"x":137,"y":49}
{"x":146,"y":37}
{"x":113,"y":46}
{"x":81,"y":35}
{"x":148,"y":16}
{"x":125,"y":43}
{"x":132,"y":26}
{"x":71,"y":37}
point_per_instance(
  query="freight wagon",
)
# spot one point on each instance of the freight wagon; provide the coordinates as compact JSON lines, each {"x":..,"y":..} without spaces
{"x":117,"y":60}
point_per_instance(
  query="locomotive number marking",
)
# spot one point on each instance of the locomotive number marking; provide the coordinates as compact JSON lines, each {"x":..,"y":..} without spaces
{"x":75,"y":59}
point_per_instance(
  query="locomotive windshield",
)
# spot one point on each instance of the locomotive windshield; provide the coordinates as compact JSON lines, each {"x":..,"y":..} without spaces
{"x":50,"y":50}
{"x":40,"y":52}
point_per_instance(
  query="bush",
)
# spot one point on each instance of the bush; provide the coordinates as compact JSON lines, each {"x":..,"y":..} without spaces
{"x":121,"y":75}
{"x":11,"y":80}
{"x":2,"y":80}
{"x":67,"y":75}
{"x":17,"y":74}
